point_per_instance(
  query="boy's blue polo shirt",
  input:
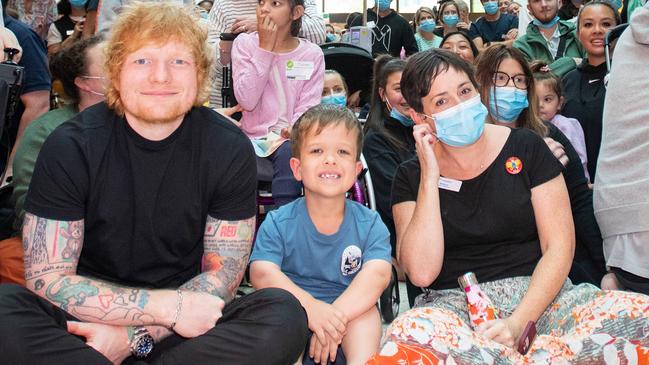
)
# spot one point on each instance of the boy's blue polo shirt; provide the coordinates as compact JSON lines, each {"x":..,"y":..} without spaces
{"x":322,"y":265}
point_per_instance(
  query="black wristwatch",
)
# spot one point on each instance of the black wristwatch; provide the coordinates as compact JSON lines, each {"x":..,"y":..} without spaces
{"x":142,"y":342}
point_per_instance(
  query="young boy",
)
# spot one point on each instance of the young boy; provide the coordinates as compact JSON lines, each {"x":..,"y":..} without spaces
{"x":331,"y":253}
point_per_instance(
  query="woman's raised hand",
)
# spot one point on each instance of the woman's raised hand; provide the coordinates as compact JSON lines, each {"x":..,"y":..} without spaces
{"x":425,"y":140}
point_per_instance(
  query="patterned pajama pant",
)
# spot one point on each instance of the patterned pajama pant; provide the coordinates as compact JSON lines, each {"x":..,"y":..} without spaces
{"x":584,"y":325}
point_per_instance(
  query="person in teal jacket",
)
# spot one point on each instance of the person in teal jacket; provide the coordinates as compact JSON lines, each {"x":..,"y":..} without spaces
{"x":550,"y":40}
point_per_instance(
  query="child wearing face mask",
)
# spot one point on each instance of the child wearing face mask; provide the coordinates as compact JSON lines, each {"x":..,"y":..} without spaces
{"x":277,"y":77}
{"x":550,"y":96}
{"x":335,"y":89}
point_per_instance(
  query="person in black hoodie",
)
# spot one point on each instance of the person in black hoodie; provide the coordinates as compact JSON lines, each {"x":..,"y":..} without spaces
{"x":391,"y":31}
{"x":388,"y":138}
{"x":584,"y":87}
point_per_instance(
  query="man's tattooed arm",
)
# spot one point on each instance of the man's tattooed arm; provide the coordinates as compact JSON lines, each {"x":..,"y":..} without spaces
{"x":226,"y":252}
{"x":52,"y":250}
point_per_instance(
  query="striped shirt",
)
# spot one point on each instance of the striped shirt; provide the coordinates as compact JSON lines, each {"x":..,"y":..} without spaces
{"x":225,"y":12}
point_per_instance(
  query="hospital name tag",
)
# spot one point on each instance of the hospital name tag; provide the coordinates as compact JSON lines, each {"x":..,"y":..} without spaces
{"x":299,"y":70}
{"x":449,"y":184}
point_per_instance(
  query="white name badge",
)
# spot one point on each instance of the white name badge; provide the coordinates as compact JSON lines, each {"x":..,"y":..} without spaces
{"x":299,"y":70}
{"x":449,"y":184}
{"x":371,"y":24}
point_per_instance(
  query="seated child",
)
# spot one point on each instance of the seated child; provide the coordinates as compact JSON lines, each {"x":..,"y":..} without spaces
{"x":331,"y":253}
{"x":548,"y":91}
{"x":335,"y":89}
{"x":276,"y":77}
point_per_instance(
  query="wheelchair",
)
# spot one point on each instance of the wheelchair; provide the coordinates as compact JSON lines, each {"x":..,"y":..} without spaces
{"x":336,"y":57}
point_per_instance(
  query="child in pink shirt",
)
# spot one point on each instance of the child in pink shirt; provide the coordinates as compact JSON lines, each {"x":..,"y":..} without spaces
{"x":548,"y":91}
{"x":277,"y":77}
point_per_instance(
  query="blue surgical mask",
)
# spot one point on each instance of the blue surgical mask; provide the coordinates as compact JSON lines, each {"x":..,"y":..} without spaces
{"x":394,"y":113}
{"x":462,"y":124}
{"x":204,"y":15}
{"x":547,"y":25}
{"x":427,"y":25}
{"x":511,"y":102}
{"x":335,"y":99}
{"x":383,"y":4}
{"x":406,"y":121}
{"x":331,"y":37}
{"x":490,"y":7}
{"x":78,"y":3}
{"x":451,"y":20}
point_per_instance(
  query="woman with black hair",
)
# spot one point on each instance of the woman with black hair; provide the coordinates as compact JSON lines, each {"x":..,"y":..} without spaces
{"x":461,"y":44}
{"x":490,"y":200}
{"x":584,"y":86}
{"x":388,"y":135}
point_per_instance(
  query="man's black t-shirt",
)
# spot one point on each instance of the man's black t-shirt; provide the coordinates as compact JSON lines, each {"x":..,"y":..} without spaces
{"x":489,"y":225}
{"x":144,"y":203}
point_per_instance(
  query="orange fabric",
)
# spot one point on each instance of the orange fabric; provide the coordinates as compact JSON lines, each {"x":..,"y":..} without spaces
{"x":11,"y":261}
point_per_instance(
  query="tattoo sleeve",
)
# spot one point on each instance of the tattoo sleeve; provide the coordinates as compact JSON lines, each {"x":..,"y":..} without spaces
{"x":51,"y":251}
{"x":227,"y":246}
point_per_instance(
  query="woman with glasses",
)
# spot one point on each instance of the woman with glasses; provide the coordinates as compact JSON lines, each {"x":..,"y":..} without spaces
{"x":508,"y":89}
{"x":492,"y":200}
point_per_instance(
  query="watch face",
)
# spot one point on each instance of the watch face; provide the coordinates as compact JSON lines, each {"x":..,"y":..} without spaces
{"x":144,"y":346}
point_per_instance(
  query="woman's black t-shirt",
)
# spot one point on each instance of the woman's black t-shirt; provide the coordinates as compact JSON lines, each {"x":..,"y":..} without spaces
{"x":489,"y":225}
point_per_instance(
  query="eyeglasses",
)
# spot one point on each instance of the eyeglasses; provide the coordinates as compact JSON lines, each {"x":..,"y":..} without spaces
{"x":502,"y":79}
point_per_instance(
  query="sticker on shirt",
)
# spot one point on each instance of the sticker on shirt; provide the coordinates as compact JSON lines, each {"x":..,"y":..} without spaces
{"x":299,"y":70}
{"x":514,"y":165}
{"x":449,"y":184}
{"x":371,"y":24}
{"x":351,"y":260}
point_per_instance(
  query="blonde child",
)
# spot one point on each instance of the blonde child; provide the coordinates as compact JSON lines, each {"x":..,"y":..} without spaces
{"x":335,"y":89}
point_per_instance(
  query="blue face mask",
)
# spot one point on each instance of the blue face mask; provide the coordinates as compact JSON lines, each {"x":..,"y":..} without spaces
{"x":331,"y":37}
{"x":462,"y":124}
{"x":335,"y":99}
{"x":511,"y":102}
{"x":383,"y":4}
{"x":78,"y":3}
{"x":547,"y":25}
{"x":427,"y":25}
{"x":490,"y":7}
{"x":451,"y":20}
{"x":406,"y":121}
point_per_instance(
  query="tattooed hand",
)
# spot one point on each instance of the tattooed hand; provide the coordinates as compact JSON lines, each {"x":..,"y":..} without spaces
{"x":110,"y":341}
{"x":199,"y":314}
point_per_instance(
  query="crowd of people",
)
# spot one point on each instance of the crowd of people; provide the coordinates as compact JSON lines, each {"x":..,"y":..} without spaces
{"x":511,"y":150}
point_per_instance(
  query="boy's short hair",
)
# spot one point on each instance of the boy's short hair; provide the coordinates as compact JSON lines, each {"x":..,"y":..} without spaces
{"x":321,"y":116}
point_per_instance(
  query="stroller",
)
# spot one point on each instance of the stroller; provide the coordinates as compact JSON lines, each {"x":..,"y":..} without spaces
{"x":354,"y":63}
